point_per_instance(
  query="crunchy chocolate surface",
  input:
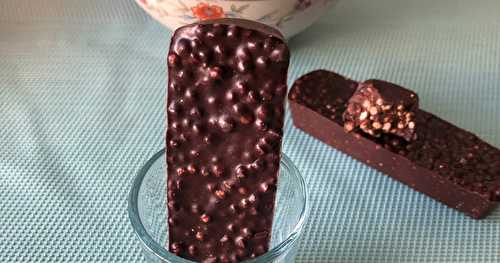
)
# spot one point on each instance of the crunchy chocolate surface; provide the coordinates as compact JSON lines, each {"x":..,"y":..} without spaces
{"x":318,"y":91}
{"x":225,"y":111}
{"x":378,"y":107}
{"x":458,"y":157}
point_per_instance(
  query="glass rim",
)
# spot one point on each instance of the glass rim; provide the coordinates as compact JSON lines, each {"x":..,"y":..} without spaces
{"x":162,"y":253}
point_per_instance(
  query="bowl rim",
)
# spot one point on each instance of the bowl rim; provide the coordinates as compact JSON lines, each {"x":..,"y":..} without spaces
{"x":159,"y":251}
{"x":210,"y":1}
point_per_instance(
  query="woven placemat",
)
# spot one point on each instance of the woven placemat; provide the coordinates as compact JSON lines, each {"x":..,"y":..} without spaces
{"x":81,"y":109}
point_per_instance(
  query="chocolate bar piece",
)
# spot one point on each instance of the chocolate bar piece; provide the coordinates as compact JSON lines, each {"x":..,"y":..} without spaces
{"x":225,"y":110}
{"x":381,"y":107}
{"x":445,"y":162}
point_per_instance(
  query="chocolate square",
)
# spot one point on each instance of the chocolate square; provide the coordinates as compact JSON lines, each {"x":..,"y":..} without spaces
{"x":378,"y":107}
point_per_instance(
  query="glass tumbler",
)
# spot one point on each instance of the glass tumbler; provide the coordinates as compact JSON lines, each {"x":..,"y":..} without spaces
{"x":147,"y":211}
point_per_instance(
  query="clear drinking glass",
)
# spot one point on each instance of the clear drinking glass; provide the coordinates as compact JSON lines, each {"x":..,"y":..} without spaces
{"x":148,"y":212}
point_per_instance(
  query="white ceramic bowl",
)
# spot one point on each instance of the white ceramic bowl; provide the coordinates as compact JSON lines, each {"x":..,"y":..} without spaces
{"x":288,"y":16}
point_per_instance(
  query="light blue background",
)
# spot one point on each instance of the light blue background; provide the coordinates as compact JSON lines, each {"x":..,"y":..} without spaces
{"x":82,"y":85}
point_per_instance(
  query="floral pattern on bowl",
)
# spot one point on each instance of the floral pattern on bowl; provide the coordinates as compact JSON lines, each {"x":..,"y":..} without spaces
{"x":288,"y":16}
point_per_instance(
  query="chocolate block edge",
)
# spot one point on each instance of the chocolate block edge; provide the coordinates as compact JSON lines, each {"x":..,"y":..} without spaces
{"x":248,"y":24}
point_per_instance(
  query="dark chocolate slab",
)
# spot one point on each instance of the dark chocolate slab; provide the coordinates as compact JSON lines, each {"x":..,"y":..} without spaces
{"x":225,"y":111}
{"x":445,"y":162}
{"x":378,"y":107}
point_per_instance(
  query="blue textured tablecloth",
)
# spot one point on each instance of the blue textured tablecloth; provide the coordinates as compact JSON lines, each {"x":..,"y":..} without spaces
{"x":82,"y":86}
